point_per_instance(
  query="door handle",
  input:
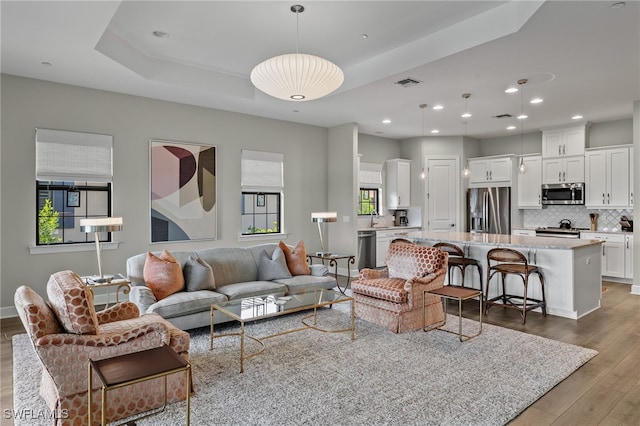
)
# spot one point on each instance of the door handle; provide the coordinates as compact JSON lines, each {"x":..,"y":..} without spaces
{"x":559,"y":149}
{"x":564,"y":176}
{"x":559,"y":176}
{"x":608,"y":198}
{"x":603,"y":198}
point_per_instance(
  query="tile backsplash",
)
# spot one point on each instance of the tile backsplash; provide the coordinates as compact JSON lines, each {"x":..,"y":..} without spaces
{"x":578,"y":215}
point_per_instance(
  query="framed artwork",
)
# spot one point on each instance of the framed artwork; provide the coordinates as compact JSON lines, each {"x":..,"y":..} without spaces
{"x":183,"y":191}
{"x":73,"y":198}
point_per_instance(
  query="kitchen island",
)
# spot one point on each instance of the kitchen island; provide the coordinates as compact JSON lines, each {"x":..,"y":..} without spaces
{"x":571,"y":267}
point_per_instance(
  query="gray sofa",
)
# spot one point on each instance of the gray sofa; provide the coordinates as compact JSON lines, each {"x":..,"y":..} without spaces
{"x":236,"y":274}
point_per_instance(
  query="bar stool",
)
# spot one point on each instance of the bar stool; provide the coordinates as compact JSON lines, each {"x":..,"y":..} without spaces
{"x":457,"y":259}
{"x":509,"y":261}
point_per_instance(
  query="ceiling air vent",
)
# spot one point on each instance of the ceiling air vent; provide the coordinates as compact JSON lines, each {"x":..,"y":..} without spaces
{"x":503,"y":116}
{"x":408,"y":82}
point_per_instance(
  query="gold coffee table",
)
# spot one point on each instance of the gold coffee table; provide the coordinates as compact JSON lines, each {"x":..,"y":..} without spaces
{"x":256,"y":308}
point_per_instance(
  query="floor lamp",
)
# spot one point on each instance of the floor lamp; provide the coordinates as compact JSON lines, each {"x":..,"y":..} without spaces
{"x":97,"y":225}
{"x":320,"y":218}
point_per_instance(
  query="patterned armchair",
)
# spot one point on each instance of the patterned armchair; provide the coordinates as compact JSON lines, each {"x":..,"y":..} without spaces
{"x":393,"y":297}
{"x":67,"y":331}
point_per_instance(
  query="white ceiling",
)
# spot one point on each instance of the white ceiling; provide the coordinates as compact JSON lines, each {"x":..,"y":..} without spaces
{"x":579,"y":56}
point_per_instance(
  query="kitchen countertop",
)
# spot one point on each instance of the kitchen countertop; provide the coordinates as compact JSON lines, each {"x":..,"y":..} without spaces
{"x":389,"y":228}
{"x":599,"y":231}
{"x":507,"y":240}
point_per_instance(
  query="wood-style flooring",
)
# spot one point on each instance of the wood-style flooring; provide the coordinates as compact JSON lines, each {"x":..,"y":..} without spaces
{"x":605,"y":391}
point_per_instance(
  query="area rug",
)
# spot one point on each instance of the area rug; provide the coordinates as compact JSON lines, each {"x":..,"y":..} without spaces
{"x":316,"y":378}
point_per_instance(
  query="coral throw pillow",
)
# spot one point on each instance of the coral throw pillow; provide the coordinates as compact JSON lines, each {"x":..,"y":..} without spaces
{"x":296,"y":258}
{"x":163,"y":274}
{"x":72,"y":301}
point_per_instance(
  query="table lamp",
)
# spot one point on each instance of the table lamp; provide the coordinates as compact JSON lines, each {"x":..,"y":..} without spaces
{"x":320,"y":218}
{"x":97,"y":225}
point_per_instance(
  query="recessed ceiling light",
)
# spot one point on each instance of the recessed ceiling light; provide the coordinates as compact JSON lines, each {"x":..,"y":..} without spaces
{"x":435,"y":131}
{"x":466,"y":115}
{"x":511,"y":127}
{"x":576,"y":117}
{"x":386,"y":121}
{"x":618,"y":5}
{"x":364,"y":36}
{"x":522,"y":116}
{"x":160,"y":34}
{"x":438,"y":107}
{"x":536,"y":100}
{"x":511,"y":90}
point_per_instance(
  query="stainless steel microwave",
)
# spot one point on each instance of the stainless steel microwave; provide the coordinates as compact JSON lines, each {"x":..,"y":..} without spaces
{"x":563,"y":193}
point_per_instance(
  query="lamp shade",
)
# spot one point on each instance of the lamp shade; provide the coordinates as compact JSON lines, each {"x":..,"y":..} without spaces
{"x":101,"y":224}
{"x":324,"y":217}
{"x":297,"y":77}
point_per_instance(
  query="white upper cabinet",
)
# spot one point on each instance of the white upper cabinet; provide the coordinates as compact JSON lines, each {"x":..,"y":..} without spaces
{"x":566,"y":141}
{"x":530,"y":183}
{"x":608,"y":178}
{"x":398,"y":184}
{"x":491,"y":171}
{"x":561,"y":170}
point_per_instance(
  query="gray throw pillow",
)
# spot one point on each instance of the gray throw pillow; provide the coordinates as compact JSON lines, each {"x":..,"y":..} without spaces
{"x":198,"y":275}
{"x":274,"y":267}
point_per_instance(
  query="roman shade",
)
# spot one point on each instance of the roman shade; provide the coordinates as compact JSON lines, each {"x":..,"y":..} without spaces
{"x":262,"y":171}
{"x":370,"y":175}
{"x":73,"y":156}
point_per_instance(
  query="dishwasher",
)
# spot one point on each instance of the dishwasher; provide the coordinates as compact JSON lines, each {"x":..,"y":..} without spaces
{"x":366,"y":249}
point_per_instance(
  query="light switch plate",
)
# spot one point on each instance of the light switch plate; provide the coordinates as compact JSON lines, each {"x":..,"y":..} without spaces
{"x":345,"y":219}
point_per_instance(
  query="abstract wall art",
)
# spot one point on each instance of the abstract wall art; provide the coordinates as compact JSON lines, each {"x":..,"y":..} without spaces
{"x":183,"y":191}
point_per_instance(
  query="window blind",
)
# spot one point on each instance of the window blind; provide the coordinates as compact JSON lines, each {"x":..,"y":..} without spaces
{"x":370,"y":175}
{"x":262,"y":171}
{"x":73,"y":156}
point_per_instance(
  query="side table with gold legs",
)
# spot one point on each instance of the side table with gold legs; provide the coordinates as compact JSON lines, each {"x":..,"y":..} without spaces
{"x":333,"y":259}
{"x":453,"y":293}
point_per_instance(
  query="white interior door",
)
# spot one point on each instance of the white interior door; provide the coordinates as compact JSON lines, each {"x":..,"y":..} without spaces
{"x":443,"y":194}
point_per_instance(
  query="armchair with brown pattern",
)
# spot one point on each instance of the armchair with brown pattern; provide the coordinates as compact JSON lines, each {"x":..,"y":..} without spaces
{"x":393,"y":297}
{"x":67,"y":331}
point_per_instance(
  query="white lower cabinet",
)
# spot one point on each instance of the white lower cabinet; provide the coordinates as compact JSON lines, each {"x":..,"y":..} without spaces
{"x":613,"y":252}
{"x":384,"y":238}
{"x":628,"y":256}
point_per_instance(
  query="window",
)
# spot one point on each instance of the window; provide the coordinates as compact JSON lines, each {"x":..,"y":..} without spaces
{"x":368,"y":201}
{"x":260,"y":213}
{"x":370,"y":187}
{"x":61,"y":205}
{"x":262,"y":191}
{"x":73,"y":181}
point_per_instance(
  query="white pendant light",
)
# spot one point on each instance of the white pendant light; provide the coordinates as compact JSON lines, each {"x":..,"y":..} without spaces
{"x":466,"y":172}
{"x":522,"y":168}
{"x":297,"y":76}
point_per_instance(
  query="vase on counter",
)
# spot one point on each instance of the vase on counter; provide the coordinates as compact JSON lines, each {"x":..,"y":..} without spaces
{"x":594,"y":221}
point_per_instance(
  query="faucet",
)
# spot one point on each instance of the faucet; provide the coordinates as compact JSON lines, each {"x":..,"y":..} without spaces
{"x":373,"y":213}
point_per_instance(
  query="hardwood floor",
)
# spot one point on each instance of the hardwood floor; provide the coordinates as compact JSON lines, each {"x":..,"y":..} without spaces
{"x":605,"y":391}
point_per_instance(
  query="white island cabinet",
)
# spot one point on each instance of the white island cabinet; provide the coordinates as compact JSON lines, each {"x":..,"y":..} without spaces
{"x":571,"y":268}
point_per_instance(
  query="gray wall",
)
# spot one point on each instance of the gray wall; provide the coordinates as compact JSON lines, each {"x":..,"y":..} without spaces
{"x":342,"y":188}
{"x":619,"y":132}
{"x":27,"y":104}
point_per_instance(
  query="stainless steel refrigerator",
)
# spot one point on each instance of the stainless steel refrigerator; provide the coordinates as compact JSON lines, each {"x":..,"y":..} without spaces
{"x":489,"y":210}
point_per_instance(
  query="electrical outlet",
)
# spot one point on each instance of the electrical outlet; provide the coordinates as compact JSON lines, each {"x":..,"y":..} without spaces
{"x":345,"y":219}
